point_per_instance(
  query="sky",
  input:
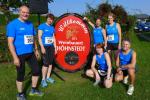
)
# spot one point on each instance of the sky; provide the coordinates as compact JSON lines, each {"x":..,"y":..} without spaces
{"x":59,"y":7}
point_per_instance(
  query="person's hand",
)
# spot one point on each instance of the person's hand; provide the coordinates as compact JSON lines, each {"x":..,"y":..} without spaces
{"x":55,"y":51}
{"x":108,"y":78}
{"x":37,"y":54}
{"x":43,"y":50}
{"x":86,"y":19}
{"x":17,"y":62}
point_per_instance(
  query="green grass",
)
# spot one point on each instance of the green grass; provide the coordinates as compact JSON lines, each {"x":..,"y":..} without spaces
{"x":77,"y":88}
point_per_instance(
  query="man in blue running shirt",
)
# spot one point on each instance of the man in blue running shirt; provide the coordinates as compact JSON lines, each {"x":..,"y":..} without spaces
{"x":99,"y":33}
{"x":126,"y":65}
{"x":21,"y":43}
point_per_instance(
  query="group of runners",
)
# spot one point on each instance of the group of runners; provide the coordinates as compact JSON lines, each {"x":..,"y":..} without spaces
{"x":22,"y":45}
{"x":110,"y":50}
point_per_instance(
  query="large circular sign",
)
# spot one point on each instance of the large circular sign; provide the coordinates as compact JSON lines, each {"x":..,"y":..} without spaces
{"x":73,"y":42}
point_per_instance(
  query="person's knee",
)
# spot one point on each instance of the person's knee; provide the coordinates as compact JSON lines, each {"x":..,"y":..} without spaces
{"x":20,"y":77}
{"x":89,"y":73}
{"x":131,"y":71}
{"x":20,"y":74}
{"x":36,"y":71}
{"x":108,"y":83}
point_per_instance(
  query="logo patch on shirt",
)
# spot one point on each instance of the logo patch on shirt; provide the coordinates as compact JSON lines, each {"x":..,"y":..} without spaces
{"x":22,"y":28}
{"x":46,"y":30}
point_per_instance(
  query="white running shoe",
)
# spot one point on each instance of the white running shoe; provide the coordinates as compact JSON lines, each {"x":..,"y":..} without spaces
{"x":130,"y":90}
{"x":125,"y":80}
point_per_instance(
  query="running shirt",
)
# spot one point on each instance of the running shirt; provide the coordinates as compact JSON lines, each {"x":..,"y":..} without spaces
{"x":125,"y":58}
{"x":112,"y":33}
{"x":23,"y":34}
{"x":98,"y":35}
{"x":102,"y":62}
{"x":47,"y":36}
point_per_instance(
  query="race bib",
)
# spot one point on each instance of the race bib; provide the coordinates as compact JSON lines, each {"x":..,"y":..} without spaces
{"x":102,"y":73}
{"x":49,"y":40}
{"x":28,"y":39}
{"x":110,"y":37}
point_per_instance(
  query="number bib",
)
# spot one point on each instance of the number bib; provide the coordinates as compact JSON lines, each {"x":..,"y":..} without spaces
{"x":49,"y":40}
{"x":28,"y":39}
{"x":102,"y":73}
{"x":110,"y":37}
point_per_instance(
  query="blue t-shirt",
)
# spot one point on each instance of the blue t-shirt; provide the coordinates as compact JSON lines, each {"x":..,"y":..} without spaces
{"x":125,"y":58}
{"x":98,"y":35}
{"x":23,"y":34}
{"x":112,"y":33}
{"x":48,"y":32}
{"x":102,"y":62}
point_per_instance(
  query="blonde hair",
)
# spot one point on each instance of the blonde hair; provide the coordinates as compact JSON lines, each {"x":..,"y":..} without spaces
{"x":112,"y":14}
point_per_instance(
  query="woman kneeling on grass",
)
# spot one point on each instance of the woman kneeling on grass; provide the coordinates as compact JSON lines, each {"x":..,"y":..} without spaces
{"x":104,"y":68}
{"x":126,"y":62}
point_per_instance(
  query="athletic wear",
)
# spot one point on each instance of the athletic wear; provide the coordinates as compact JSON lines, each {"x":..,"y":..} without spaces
{"x":98,"y":35}
{"x":23,"y":34}
{"x":49,"y":56}
{"x":125,"y":58}
{"x":21,"y":97}
{"x":102,"y":62}
{"x":130,"y":90}
{"x":112,"y":46}
{"x":33,"y":63}
{"x":43,"y":83}
{"x":50,"y":80}
{"x":35,"y":92}
{"x":112,"y":33}
{"x":48,"y":32}
{"x":125,"y":80}
{"x":125,"y":72}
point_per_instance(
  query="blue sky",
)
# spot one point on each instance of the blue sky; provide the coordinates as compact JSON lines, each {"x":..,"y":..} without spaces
{"x":59,"y":7}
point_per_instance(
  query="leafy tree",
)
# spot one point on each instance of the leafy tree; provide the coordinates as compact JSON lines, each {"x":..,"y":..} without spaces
{"x":104,"y":9}
{"x":120,"y":13}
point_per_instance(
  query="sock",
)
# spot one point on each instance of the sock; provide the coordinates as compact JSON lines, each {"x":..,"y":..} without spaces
{"x":34,"y":88}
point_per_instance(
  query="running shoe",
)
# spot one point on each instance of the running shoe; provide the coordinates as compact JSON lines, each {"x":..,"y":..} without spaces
{"x":21,"y":97}
{"x":43,"y":83}
{"x":35,"y":92}
{"x":50,"y":80}
{"x":130,"y":90}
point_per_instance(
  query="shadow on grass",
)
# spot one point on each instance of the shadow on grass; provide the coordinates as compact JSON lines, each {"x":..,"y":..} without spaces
{"x":125,"y":86}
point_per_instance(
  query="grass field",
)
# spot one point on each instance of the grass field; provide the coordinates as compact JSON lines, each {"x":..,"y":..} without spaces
{"x":77,"y":88}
